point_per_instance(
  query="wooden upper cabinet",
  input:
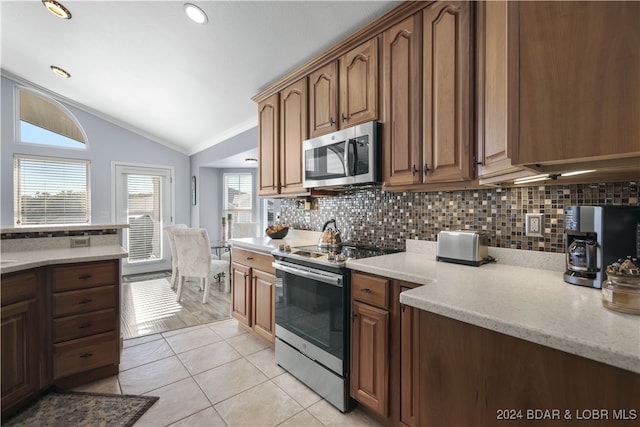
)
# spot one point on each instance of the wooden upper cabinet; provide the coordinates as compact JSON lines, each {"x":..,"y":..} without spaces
{"x":497,"y":89}
{"x":447,"y":106}
{"x":579,"y":81}
{"x":323,"y":100}
{"x":401,"y":84}
{"x":359,"y":84}
{"x":293,"y":130}
{"x":268,"y":125}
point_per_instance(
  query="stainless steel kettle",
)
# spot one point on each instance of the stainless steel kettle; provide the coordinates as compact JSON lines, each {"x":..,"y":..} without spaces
{"x":330,"y":237}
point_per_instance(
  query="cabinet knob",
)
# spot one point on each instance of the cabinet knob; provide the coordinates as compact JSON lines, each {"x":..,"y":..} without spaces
{"x":85,"y":277}
{"x":249,"y":258}
{"x":85,"y":325}
{"x":425,"y":169}
{"x":365,"y":290}
{"x":86,"y":355}
{"x":414,"y":170}
{"x":344,"y":118}
{"x":85,"y":301}
{"x":332,"y":122}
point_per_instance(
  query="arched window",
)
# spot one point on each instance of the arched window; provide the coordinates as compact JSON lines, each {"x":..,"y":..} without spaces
{"x":44,"y":121}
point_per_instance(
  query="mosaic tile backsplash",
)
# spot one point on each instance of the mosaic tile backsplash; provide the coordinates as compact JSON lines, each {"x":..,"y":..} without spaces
{"x":387,"y":219}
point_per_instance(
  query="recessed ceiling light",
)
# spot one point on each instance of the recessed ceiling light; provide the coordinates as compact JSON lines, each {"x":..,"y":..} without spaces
{"x":196,"y":14}
{"x":57,"y":9}
{"x":60,"y":72}
{"x":251,"y":160}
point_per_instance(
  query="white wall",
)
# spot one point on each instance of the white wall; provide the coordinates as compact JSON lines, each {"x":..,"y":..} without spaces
{"x":106,"y":142}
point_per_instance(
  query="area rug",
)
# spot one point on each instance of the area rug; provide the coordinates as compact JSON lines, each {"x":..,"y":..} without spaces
{"x":70,"y":408}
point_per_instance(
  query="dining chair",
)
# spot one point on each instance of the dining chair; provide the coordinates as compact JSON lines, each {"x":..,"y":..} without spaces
{"x":195,"y":260}
{"x":174,"y":255}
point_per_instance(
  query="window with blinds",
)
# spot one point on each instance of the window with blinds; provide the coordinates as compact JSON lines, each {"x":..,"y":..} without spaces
{"x":144,"y":210}
{"x":51,"y":191}
{"x":238,"y":196}
{"x":45,"y":122}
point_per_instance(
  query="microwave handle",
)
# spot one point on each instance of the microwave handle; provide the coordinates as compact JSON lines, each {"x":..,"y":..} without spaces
{"x":352,"y":160}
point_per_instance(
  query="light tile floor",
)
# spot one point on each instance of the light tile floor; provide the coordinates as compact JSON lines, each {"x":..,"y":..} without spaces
{"x":217,"y":375}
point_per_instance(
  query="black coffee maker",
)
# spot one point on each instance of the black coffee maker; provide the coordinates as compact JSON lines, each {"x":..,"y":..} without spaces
{"x":597,"y":236}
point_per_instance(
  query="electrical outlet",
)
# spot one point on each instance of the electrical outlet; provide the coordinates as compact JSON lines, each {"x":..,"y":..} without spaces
{"x":307,"y":217}
{"x":534,"y":224}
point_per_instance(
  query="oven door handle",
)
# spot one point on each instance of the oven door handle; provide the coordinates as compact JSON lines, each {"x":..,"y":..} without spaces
{"x":331,"y":279}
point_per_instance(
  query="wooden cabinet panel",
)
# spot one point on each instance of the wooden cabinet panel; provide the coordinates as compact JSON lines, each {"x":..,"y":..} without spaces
{"x":401,"y":70}
{"x":293,"y":130}
{"x":370,"y":357}
{"x":84,"y":300}
{"x":579,"y":81}
{"x":269,"y":128}
{"x":359,"y":84}
{"x":19,"y":287}
{"x":323,"y":100}
{"x":468,"y":374}
{"x":447,"y":92}
{"x":241,"y":293}
{"x":21,"y":351}
{"x":82,"y":325}
{"x":85,"y":275}
{"x":264,"y":293}
{"x":71,"y":357}
{"x":409,"y":356}
{"x":370,"y":289}
{"x":260,"y":261}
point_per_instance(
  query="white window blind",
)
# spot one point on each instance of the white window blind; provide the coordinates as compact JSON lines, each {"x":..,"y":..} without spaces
{"x":238,"y":196}
{"x":144,"y":216}
{"x":51,"y":191}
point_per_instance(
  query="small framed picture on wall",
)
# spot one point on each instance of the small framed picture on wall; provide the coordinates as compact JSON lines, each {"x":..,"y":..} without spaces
{"x":193,"y":190}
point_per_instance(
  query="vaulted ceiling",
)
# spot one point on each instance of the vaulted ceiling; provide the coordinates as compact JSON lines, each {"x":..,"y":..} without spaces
{"x":145,"y":66}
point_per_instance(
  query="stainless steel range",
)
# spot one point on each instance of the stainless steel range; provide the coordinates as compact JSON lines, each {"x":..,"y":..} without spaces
{"x":312,"y":316}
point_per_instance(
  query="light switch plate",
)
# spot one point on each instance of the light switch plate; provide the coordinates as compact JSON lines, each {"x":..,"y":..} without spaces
{"x":534,"y":224}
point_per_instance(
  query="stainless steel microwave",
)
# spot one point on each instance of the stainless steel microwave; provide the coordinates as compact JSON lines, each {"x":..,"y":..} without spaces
{"x":345,"y":158}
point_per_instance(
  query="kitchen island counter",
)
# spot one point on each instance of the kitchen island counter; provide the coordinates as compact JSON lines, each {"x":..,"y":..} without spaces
{"x":23,"y":260}
{"x":266,"y":244}
{"x":533,"y":304}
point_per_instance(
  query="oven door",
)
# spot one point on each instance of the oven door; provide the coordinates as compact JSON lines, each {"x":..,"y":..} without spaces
{"x":310,"y":313}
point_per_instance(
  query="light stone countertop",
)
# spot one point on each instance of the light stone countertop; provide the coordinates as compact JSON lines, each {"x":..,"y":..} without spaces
{"x":533,"y":304}
{"x":57,"y":228}
{"x":23,"y":260}
{"x":265,"y":244}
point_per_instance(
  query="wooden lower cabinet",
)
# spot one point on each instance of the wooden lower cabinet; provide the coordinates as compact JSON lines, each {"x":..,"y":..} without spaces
{"x":264,"y":314}
{"x":253,"y":284}
{"x":384,"y":350}
{"x":60,"y":325}
{"x":472,"y":376}
{"x":24,"y":352}
{"x":370,"y":357}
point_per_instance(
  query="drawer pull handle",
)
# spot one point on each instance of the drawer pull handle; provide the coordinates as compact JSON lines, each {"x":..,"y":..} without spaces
{"x":366,"y":290}
{"x":85,"y":277}
{"x":86,"y":355}
{"x":249,"y":258}
{"x":85,"y":325}
{"x":85,"y":301}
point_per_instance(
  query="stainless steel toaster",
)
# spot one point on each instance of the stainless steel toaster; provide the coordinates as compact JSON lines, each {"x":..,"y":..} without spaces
{"x":462,"y":247}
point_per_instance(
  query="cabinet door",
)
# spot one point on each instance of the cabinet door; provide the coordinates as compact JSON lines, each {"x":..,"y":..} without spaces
{"x":293,"y":130}
{"x":323,"y":100}
{"x":409,"y":341}
{"x":447,"y":92}
{"x":20,"y":353}
{"x":268,"y":124}
{"x":579,"y":81}
{"x":241,"y":293}
{"x":359,"y":84}
{"x":401,"y":83}
{"x":497,"y":88}
{"x":264,"y":292}
{"x":370,"y":357}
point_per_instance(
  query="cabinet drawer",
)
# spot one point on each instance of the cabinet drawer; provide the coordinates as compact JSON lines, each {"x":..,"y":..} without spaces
{"x":83,"y":325}
{"x":87,"y":275}
{"x":253,"y":259}
{"x":80,"y":355}
{"x":84,"y":301}
{"x":370,"y":289}
{"x":19,"y":287}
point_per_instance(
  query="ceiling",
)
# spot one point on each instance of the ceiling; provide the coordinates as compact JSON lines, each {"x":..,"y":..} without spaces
{"x":145,"y":66}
